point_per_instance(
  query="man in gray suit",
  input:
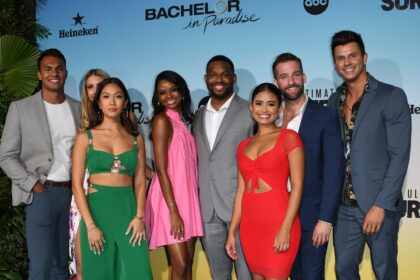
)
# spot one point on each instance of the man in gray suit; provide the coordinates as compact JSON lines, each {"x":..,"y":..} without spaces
{"x":219,"y":127}
{"x":35,"y":154}
{"x":376,"y":124}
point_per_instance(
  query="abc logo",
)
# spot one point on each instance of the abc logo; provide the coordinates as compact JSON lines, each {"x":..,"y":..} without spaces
{"x":315,"y":7}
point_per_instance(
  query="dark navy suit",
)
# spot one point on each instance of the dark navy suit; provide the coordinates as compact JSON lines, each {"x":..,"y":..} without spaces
{"x":320,"y":132}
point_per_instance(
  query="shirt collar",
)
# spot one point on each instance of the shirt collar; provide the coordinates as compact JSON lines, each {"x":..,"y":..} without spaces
{"x":223,"y":107}
{"x":343,"y":88}
{"x":301,"y":110}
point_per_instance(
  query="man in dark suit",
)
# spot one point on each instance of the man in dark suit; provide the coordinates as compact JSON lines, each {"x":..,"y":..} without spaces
{"x":319,"y":130}
{"x":35,"y":154}
{"x":218,"y":128}
{"x":376,"y":122}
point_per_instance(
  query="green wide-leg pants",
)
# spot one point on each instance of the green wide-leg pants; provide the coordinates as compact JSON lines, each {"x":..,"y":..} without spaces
{"x":112,"y":209}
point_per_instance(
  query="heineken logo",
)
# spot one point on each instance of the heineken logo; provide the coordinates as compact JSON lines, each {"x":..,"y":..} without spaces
{"x":78,"y":29}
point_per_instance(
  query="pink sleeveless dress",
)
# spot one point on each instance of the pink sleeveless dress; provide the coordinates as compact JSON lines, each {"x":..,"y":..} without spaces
{"x":182,"y":171}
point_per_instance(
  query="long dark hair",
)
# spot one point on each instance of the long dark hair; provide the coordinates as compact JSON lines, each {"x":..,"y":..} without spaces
{"x":96,"y":115}
{"x":265,"y":87}
{"x":182,"y":87}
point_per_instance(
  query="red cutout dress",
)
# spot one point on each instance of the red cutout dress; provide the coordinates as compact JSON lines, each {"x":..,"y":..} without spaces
{"x":263,"y":213}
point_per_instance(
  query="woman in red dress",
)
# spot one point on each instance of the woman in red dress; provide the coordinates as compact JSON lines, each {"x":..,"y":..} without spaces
{"x":263,"y":208}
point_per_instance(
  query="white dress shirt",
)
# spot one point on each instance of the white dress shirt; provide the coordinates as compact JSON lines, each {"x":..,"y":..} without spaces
{"x":294,"y":124}
{"x":214,"y":118}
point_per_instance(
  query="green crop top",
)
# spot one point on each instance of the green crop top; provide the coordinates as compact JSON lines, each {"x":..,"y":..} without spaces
{"x":103,"y":162}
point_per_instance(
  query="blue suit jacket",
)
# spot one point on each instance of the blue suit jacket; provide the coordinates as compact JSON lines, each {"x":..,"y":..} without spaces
{"x":320,"y":132}
{"x":380,"y":148}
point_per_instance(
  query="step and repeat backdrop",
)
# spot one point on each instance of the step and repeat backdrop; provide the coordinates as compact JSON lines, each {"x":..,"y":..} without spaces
{"x":135,"y":40}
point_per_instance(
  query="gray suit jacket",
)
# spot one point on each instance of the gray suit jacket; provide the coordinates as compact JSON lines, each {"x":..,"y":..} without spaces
{"x":26,"y":152}
{"x":380,"y":148}
{"x":217,"y":169}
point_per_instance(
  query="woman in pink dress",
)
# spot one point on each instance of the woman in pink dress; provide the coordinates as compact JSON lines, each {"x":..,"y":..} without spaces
{"x":172,"y":211}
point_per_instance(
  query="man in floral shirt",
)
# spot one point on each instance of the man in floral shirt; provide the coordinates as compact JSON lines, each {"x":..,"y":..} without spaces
{"x":376,"y":125}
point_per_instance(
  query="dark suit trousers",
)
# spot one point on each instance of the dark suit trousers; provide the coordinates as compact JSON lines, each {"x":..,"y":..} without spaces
{"x":349,"y":244}
{"x":47,"y":234}
{"x":310,"y":261}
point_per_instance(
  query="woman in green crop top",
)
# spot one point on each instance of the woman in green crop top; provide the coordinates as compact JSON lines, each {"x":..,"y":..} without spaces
{"x":112,"y":211}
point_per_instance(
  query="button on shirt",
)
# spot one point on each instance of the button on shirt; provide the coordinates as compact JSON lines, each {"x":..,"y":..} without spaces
{"x":214,"y":118}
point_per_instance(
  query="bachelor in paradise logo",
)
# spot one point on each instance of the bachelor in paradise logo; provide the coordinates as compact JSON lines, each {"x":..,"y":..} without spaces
{"x":216,"y":13}
{"x":78,"y":29}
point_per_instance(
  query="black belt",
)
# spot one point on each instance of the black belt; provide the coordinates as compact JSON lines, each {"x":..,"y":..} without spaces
{"x":64,"y":184}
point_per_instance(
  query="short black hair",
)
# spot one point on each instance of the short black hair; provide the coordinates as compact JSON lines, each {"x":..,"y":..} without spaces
{"x":220,"y":58}
{"x":345,"y":37}
{"x":286,"y":57}
{"x":51,"y":52}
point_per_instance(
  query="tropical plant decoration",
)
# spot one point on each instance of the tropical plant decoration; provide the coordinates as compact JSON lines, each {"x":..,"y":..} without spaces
{"x":18,"y":69}
{"x":18,"y":66}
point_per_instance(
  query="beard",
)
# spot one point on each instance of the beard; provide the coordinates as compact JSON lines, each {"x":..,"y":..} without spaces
{"x":223,"y":95}
{"x":292,"y":97}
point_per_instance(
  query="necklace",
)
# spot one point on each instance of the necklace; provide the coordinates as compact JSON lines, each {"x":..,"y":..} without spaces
{"x":347,"y":106}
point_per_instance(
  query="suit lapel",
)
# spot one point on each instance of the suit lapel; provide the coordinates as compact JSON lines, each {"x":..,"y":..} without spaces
{"x":364,"y":106}
{"x":202,"y":129}
{"x":227,"y":120}
{"x":43,"y":119}
{"x":307,"y":116}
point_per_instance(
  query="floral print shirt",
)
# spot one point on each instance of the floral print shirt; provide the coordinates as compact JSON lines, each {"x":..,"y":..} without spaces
{"x":349,"y":198}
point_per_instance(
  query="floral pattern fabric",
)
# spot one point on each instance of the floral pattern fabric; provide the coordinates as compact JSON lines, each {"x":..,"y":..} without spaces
{"x":74,"y":220}
{"x":349,"y":197}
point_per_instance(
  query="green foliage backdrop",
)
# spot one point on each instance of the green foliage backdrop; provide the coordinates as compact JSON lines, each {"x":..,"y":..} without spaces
{"x":18,"y":68}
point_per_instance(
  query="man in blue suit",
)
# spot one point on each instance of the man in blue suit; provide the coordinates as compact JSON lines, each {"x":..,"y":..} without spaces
{"x":320,"y":131}
{"x":376,"y":122}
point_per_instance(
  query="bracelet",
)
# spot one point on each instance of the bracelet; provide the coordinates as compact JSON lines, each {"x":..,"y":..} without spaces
{"x":89,"y":230}
{"x":140,"y":218}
